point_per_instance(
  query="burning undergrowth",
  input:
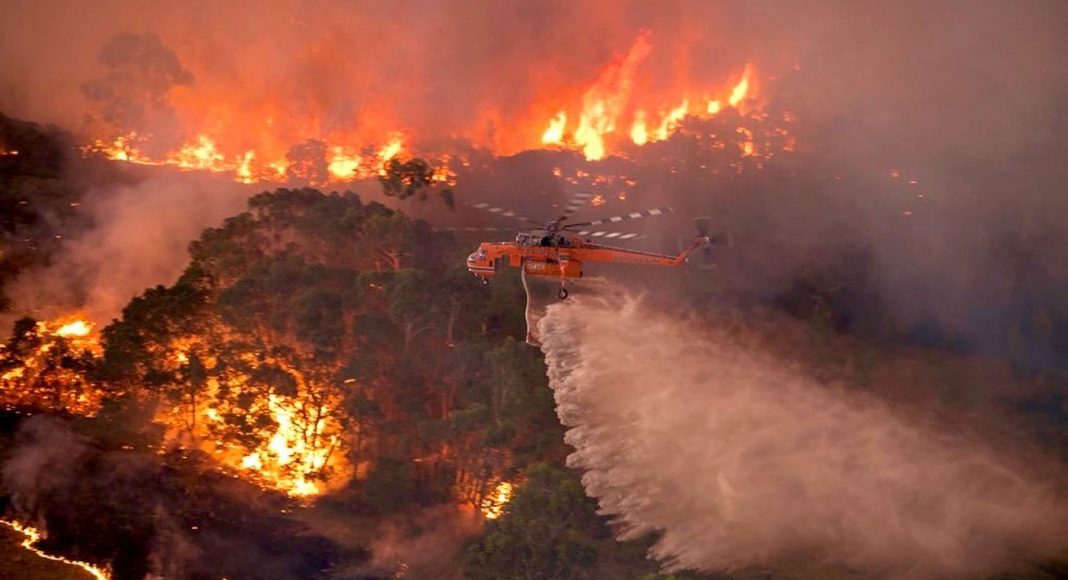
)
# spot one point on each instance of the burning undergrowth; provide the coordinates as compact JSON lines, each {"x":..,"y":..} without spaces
{"x":140,"y":514}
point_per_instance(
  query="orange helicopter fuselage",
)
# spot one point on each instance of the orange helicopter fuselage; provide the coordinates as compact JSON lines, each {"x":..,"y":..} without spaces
{"x":561,"y":255}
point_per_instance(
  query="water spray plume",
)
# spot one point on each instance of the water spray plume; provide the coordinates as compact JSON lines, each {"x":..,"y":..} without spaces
{"x":741,"y":461}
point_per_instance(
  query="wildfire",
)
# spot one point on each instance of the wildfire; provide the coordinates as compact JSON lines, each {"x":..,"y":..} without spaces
{"x":389,"y":151}
{"x":200,"y":155}
{"x":80,"y":328}
{"x":284,"y":437}
{"x":639,"y":133}
{"x":493,"y":504}
{"x":610,"y":100}
{"x":254,"y":140}
{"x":291,"y":457}
{"x":32,"y":536}
{"x":43,"y":366}
{"x":739,"y":92}
{"x":554,"y":134}
{"x":285,"y":434}
{"x":671,"y":120}
{"x":344,"y":164}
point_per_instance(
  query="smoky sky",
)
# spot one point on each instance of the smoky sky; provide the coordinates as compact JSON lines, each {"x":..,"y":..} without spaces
{"x":979,"y":75}
{"x":138,"y":239}
{"x":967,"y":98}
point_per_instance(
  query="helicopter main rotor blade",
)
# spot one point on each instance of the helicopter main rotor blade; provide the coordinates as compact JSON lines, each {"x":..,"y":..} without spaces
{"x":576,"y":202}
{"x":624,"y":217}
{"x":609,"y":235}
{"x":501,"y":211}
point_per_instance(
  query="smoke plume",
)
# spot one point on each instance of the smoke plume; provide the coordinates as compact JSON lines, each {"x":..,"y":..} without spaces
{"x":140,"y":73}
{"x":741,"y":461}
{"x":137,"y":239}
{"x":963,"y":100}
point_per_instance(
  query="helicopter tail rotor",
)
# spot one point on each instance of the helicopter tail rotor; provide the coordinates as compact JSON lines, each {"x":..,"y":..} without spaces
{"x":705,"y":258}
{"x":703,"y":225}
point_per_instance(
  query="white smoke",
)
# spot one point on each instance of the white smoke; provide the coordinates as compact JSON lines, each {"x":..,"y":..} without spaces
{"x":741,"y":461}
{"x":138,"y":239}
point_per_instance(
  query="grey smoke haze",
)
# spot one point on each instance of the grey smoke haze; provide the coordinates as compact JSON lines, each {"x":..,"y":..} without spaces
{"x":742,"y":461}
{"x":140,"y":72}
{"x":427,"y":544}
{"x":47,"y":457}
{"x":919,"y":77}
{"x":138,"y":239}
{"x":965,"y":96}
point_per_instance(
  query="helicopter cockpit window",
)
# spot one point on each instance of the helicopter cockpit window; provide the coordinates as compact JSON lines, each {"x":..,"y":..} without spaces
{"x":482,"y":254}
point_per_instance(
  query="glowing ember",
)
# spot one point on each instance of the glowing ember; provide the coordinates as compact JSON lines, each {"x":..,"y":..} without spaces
{"x":748,"y":148}
{"x":493,"y":504}
{"x":32,"y":536}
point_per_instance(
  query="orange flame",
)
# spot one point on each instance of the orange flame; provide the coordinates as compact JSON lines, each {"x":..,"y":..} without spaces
{"x":639,"y":134}
{"x":35,"y":380}
{"x":554,"y":134}
{"x":609,"y":99}
{"x":671,"y":120}
{"x":493,"y":504}
{"x":290,"y":456}
{"x":298,"y":442}
{"x":252,"y":138}
{"x":32,"y":536}
{"x":740,"y":90}
{"x":75,"y":328}
{"x":344,"y":164}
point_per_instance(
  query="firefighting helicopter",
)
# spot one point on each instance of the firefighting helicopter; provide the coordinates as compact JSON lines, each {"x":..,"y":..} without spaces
{"x":558,"y":249}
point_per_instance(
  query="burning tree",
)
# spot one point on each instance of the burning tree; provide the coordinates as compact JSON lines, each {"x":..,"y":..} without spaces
{"x":49,"y":366}
{"x":315,"y":338}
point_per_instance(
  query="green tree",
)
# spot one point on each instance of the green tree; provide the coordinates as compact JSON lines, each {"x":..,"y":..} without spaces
{"x":547,"y":531}
{"x":414,"y":177}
